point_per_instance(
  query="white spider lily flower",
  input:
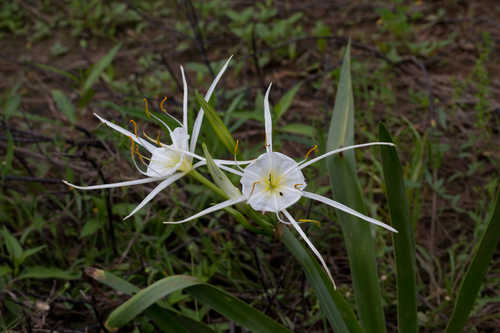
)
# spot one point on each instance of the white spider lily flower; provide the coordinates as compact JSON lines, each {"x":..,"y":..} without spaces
{"x":167,"y":163}
{"x":273,"y":182}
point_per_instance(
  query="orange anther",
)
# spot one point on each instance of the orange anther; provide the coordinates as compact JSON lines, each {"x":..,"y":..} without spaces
{"x":236,"y":147}
{"x":146,"y":107}
{"x":310,"y":220}
{"x":296,"y":186}
{"x":311,"y":150}
{"x":158,"y":139}
{"x":162,"y":108}
{"x":253,"y":187}
{"x":132,"y":146}
{"x":135,"y":127}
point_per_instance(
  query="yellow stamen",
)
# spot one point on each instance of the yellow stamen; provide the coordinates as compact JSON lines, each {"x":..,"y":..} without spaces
{"x":236,"y":147}
{"x":141,"y":157}
{"x":158,"y":139}
{"x":253,"y":187}
{"x":148,"y":137}
{"x":162,"y":108}
{"x":146,"y":107}
{"x":310,"y":220}
{"x":265,"y":140}
{"x":135,"y":127}
{"x":311,"y":150}
{"x":296,"y":186}
{"x":132,"y":146}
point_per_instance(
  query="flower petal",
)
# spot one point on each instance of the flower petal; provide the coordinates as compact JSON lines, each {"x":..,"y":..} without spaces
{"x":336,"y":151}
{"x":311,"y":246}
{"x":199,"y":118}
{"x":155,"y":191}
{"x":123,"y":131}
{"x":185,"y":101}
{"x":268,"y":121}
{"x":346,"y":209}
{"x":120,"y":184}
{"x":212,"y":209}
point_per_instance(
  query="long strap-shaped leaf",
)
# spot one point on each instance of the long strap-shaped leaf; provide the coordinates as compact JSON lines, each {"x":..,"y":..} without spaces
{"x":219,"y":300}
{"x":474,"y":277}
{"x":335,"y":308}
{"x":166,"y":319}
{"x":357,"y":234}
{"x":404,"y":241}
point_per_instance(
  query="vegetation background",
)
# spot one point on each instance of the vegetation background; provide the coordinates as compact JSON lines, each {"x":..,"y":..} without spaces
{"x":427,"y":69}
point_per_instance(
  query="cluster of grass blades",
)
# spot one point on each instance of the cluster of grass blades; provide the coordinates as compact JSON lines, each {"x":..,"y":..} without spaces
{"x":368,"y":314}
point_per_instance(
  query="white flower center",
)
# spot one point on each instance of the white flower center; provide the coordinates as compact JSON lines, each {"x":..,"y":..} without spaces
{"x":272,"y":183}
{"x":166,"y":160}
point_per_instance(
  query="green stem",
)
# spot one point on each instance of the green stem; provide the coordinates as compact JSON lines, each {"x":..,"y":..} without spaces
{"x":202,"y":179}
{"x":260,"y":220}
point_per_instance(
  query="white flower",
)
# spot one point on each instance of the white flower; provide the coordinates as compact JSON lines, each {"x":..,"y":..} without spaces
{"x":273,"y":182}
{"x":167,"y":163}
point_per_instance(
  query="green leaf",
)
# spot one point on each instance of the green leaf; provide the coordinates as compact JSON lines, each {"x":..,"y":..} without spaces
{"x":336,"y":310}
{"x":13,"y":247}
{"x":221,"y":301}
{"x":32,"y":251}
{"x":98,"y":68}
{"x":64,"y":105}
{"x":301,"y":129}
{"x":220,"y":177}
{"x":235,"y":309}
{"x":404,"y":241}
{"x":345,"y":186}
{"x":12,"y":105}
{"x":57,"y":71}
{"x":90,"y":227}
{"x":167,"y":319}
{"x":217,"y":124}
{"x":285,"y":102}
{"x":40,"y":272}
{"x":469,"y":288}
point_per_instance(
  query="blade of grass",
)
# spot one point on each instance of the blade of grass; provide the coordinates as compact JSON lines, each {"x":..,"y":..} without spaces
{"x":404,"y":241}
{"x":285,"y":102}
{"x":345,"y":186}
{"x":235,"y":309}
{"x":469,"y":288}
{"x":64,"y":105}
{"x":221,"y":301}
{"x":217,"y":124}
{"x":98,"y":68}
{"x":334,"y":307}
{"x":167,"y":319}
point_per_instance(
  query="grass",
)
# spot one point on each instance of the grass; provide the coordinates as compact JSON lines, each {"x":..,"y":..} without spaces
{"x":418,"y":67}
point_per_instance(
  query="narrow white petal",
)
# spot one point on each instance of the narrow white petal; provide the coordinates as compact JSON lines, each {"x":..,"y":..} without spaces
{"x":123,"y":131}
{"x":232,"y":162}
{"x":212,"y":209}
{"x":155,"y":191}
{"x":311,"y":246}
{"x":120,"y":184}
{"x":228,"y":169}
{"x":199,"y":118}
{"x":185,"y":101}
{"x":346,"y":209}
{"x":268,"y":121}
{"x":336,"y":151}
